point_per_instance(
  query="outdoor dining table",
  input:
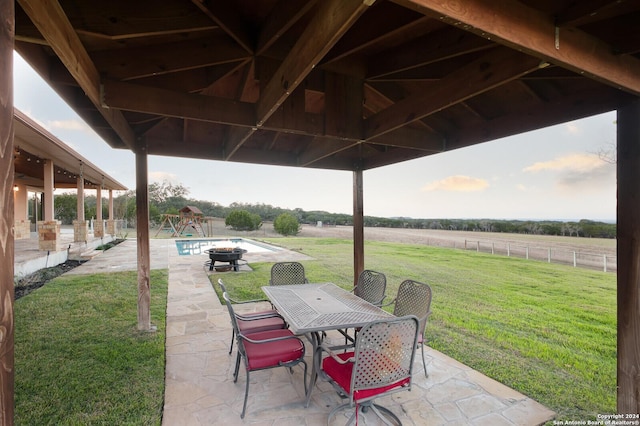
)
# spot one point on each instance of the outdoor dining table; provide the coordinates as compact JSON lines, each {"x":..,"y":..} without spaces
{"x":311,"y":309}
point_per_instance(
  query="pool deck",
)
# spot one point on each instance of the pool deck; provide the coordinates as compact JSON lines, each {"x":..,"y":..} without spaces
{"x":199,"y":385}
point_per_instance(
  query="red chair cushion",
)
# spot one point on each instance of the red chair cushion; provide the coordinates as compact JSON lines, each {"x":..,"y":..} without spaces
{"x":272,"y":354}
{"x":341,"y":374}
{"x":262,"y":324}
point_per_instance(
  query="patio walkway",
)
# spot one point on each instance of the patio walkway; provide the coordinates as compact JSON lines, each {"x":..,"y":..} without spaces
{"x":199,"y":383}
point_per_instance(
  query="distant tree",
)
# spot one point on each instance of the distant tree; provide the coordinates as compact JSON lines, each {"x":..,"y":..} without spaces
{"x":286,"y":224}
{"x":65,"y":207}
{"x":242,"y":220}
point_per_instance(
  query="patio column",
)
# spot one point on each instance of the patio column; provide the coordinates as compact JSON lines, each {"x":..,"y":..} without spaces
{"x":628,"y":223}
{"x":142,"y":231}
{"x":7,"y":253}
{"x":111,"y":224}
{"x":22,"y":225}
{"x":358,"y":226}
{"x":80,"y":228}
{"x":48,"y":228}
{"x":98,"y":226}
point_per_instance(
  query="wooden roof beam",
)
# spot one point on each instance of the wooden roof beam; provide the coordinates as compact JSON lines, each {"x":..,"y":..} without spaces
{"x":228,"y":20}
{"x":332,"y":20}
{"x":423,"y":51}
{"x":497,"y":67}
{"x":131,"y":97}
{"x":53,"y":24}
{"x":526,"y":29}
{"x":284,"y":15}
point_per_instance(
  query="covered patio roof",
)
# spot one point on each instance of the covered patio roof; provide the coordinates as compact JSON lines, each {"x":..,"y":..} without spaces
{"x":346,"y":85}
{"x":336,"y":84}
{"x":33,"y":145}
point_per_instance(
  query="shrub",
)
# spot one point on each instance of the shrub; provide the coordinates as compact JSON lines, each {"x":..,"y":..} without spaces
{"x":286,"y":224}
{"x":242,"y":220}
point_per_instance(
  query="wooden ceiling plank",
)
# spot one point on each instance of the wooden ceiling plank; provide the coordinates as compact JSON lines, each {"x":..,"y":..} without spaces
{"x":284,"y":15}
{"x":131,"y":97}
{"x":436,"y":47}
{"x":140,"y":62}
{"x":524,"y":28}
{"x":323,"y":147}
{"x":413,"y":138}
{"x":497,"y":67}
{"x":332,"y":19}
{"x":228,"y":20}
{"x":53,"y":24}
{"x":588,"y":11}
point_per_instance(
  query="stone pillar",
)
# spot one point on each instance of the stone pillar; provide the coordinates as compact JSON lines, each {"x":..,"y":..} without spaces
{"x":22,"y":229}
{"x":98,"y":225}
{"x":80,"y":231}
{"x":48,"y":235}
{"x":111,"y":227}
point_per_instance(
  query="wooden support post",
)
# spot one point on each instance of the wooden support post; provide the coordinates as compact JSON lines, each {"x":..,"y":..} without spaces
{"x":7,"y":248}
{"x":628,"y":223}
{"x":144,"y":253}
{"x":358,"y":226}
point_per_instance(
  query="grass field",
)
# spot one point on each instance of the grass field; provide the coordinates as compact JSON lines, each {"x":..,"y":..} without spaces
{"x":548,"y":331}
{"x":79,"y":358}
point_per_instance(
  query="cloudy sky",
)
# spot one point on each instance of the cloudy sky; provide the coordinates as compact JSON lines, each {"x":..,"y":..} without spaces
{"x":553,"y":173}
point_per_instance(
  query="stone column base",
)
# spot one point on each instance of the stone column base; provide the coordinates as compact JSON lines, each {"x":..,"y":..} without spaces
{"x":22,"y":229}
{"x":111,"y":227}
{"x":48,"y":235}
{"x":80,"y":231}
{"x":98,"y":228}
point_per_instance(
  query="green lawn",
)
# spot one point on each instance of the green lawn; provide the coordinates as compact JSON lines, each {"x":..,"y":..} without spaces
{"x":79,"y":358}
{"x":548,"y":331}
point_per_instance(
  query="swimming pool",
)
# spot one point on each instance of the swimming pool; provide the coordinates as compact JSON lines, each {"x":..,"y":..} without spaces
{"x":199,"y":247}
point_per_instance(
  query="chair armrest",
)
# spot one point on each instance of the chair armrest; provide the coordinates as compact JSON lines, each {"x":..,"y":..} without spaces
{"x":273,"y":339}
{"x":391,"y":302}
{"x":240,"y":302}
{"x":334,"y":355}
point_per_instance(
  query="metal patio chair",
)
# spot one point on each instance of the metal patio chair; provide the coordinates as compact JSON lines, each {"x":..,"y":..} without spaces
{"x":371,"y":286}
{"x":380,"y":364}
{"x":414,"y":298}
{"x":264,"y":350}
{"x":286,"y":273}
{"x":254,"y":321}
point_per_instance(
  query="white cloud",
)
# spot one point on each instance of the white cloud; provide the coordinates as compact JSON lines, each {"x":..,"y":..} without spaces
{"x":69,"y":125}
{"x":457,"y":183}
{"x":572,"y":128}
{"x":572,"y":162}
{"x":584,"y":172}
{"x":163,"y":176}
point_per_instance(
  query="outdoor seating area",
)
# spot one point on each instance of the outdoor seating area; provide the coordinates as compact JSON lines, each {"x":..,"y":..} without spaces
{"x":200,"y":386}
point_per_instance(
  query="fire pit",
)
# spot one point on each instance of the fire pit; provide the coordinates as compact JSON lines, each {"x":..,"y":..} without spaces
{"x":225,"y":255}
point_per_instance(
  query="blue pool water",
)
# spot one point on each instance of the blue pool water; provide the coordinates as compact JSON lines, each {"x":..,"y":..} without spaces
{"x":196,"y":247}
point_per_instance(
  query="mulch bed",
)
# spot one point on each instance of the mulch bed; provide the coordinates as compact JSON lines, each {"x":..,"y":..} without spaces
{"x":34,"y":281}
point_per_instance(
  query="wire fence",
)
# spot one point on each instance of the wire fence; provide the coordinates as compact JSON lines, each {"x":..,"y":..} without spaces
{"x":601,"y":261}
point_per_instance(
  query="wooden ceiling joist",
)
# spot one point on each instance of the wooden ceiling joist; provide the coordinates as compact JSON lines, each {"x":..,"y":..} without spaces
{"x":529,"y":30}
{"x":53,"y":24}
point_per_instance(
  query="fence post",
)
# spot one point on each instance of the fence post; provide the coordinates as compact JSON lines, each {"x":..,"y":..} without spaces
{"x":574,"y":259}
{"x":605,"y":263}
{"x":465,"y":244}
{"x":508,"y":249}
{"x":527,"y":252}
{"x":549,"y":255}
{"x":493,"y":246}
{"x":478,"y":246}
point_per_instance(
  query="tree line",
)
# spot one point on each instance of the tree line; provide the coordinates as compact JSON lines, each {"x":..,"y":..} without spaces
{"x":167,"y":198}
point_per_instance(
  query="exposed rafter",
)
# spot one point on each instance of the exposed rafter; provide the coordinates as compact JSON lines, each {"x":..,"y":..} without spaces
{"x":529,"y":30}
{"x":53,"y":24}
{"x":497,"y":67}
